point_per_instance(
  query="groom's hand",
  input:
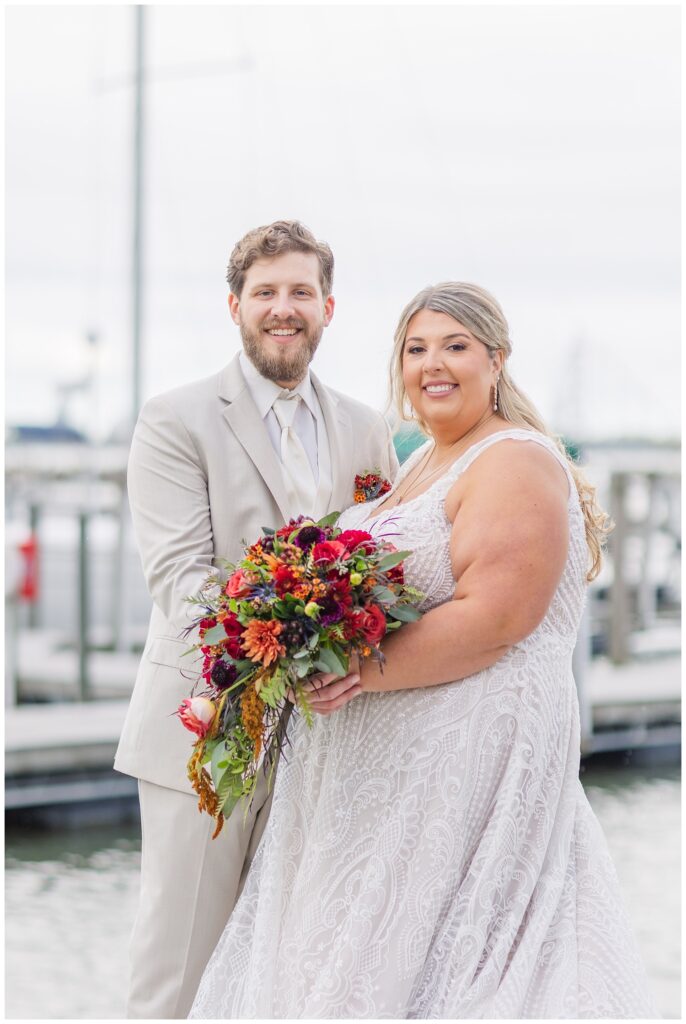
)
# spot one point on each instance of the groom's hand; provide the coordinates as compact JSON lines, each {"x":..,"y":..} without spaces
{"x":327,"y":693}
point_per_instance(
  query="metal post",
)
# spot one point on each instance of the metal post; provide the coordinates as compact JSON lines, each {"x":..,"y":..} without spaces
{"x":34,"y":616}
{"x":83,"y":609}
{"x":647,"y":589}
{"x":11,"y":645}
{"x":138,"y":170}
{"x":580,"y":662}
{"x":119,"y":573}
{"x":619,"y":598}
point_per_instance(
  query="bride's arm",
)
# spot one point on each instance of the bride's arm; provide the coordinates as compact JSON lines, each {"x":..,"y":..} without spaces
{"x":508,"y":548}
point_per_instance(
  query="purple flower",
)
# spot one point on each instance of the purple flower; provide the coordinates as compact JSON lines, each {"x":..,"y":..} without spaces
{"x":331,"y":611}
{"x":223,"y":674}
{"x":308,"y":536}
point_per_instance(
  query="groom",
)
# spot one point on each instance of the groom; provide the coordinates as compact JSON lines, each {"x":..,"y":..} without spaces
{"x":211,"y":463}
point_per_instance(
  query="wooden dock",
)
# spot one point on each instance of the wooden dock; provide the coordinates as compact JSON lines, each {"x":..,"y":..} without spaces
{"x":61,"y":752}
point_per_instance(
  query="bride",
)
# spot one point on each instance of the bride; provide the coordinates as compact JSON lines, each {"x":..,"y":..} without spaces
{"x":430,"y":852}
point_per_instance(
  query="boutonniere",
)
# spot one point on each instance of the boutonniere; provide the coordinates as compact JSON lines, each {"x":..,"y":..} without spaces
{"x":370,"y":485}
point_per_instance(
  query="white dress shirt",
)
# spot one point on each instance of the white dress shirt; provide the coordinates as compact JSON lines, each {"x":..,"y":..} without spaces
{"x":308,"y":424}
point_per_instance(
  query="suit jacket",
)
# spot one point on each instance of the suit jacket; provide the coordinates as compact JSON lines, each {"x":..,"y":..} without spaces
{"x":203,"y":478}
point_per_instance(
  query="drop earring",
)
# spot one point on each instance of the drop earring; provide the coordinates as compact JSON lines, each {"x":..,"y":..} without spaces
{"x":495,"y":395}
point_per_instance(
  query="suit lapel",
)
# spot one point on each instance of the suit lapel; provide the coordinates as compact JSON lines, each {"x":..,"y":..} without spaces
{"x":339,"y":432}
{"x":244,"y":419}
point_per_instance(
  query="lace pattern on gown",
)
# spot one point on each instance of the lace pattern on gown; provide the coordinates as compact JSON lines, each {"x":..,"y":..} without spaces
{"x":430,"y":853}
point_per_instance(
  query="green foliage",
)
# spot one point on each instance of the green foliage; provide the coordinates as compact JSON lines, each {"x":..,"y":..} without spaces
{"x":214,"y":635}
{"x":329,"y":660}
{"x":328,"y":520}
{"x":384,"y":595}
{"x":392,"y":558}
{"x":304,"y":706}
{"x":273,"y":690}
{"x":405,"y":612}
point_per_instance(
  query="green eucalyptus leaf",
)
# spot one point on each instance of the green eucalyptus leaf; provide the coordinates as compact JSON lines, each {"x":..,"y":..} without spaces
{"x":244,"y":665}
{"x":229,"y":804}
{"x":220,"y":762}
{"x":329,"y":661}
{"x":405,"y":613}
{"x":328,"y":520}
{"x":214,"y":635}
{"x":393,"y":558}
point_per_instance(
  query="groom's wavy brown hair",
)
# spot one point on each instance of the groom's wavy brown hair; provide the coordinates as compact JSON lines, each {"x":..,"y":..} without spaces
{"x":274,"y":240}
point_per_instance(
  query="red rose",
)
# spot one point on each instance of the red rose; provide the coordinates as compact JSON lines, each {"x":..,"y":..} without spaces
{"x":371,"y":622}
{"x":329,"y":551}
{"x":232,"y":626}
{"x":206,"y":624}
{"x":238,"y":586}
{"x":234,"y":632}
{"x":353,"y":538}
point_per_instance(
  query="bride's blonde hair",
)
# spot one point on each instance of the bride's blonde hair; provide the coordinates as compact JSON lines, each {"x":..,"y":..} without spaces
{"x":477,"y":310}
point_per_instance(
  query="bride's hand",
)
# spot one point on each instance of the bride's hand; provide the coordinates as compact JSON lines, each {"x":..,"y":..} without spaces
{"x":328,"y":692}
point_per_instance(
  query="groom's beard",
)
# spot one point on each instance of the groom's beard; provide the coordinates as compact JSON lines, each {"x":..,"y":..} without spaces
{"x":292,"y":363}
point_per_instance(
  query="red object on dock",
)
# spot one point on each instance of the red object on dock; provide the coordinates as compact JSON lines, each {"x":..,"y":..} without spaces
{"x":28,"y":587}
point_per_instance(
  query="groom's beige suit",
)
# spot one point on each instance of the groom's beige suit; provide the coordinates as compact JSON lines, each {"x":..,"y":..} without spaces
{"x":203,"y":477}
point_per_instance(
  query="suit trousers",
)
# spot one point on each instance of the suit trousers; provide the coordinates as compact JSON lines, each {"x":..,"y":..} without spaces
{"x":189,"y":886}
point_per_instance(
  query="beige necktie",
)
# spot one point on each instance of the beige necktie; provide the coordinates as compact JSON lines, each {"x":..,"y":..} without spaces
{"x":298,"y":477}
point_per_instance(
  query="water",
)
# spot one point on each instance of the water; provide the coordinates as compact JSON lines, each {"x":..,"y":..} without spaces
{"x":71,"y":900}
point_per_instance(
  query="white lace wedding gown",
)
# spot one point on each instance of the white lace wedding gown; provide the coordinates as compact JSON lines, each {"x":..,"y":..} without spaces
{"x":430,"y":853}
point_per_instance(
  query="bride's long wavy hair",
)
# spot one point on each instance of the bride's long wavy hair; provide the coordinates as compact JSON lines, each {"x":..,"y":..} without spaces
{"x":477,"y":310}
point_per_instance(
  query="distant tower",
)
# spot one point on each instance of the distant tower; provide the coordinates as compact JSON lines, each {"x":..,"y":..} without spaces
{"x":570,"y":411}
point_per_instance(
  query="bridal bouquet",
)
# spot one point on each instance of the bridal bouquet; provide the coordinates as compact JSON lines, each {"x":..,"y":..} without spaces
{"x":303,"y":599}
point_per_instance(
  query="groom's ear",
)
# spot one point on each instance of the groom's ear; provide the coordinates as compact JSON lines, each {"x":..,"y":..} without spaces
{"x":234,"y":308}
{"x":329,"y":304}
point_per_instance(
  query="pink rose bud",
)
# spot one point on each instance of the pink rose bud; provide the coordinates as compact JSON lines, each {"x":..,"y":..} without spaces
{"x":237,"y":585}
{"x":197,"y":714}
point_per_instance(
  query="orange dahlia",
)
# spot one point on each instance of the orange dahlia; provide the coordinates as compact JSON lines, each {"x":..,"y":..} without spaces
{"x":260,"y":641}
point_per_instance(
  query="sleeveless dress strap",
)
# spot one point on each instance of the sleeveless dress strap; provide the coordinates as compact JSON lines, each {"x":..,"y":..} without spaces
{"x":514,"y":434}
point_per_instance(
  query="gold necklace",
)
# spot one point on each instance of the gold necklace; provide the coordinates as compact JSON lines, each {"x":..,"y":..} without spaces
{"x":421,"y":477}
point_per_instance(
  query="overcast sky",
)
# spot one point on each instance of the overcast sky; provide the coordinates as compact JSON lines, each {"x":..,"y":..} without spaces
{"x":533,"y":150}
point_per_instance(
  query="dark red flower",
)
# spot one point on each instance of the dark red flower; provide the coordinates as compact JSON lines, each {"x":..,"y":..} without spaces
{"x":354,"y":538}
{"x":396,"y":574}
{"x":223,"y":674}
{"x":206,"y":624}
{"x":308,"y":536}
{"x":341,"y":590}
{"x":285,"y":580}
{"x":329,"y":551}
{"x":234,"y":631}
